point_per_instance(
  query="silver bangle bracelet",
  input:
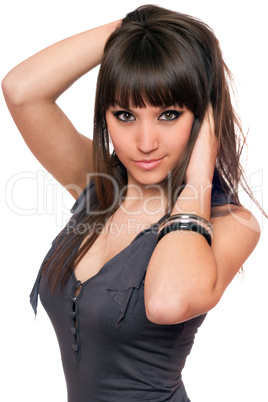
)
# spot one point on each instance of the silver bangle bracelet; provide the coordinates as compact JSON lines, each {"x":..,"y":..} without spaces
{"x":187,"y":216}
{"x":202,"y":224}
{"x":188,"y":222}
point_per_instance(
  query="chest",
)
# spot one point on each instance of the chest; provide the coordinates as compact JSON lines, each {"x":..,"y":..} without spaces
{"x":116,"y":235}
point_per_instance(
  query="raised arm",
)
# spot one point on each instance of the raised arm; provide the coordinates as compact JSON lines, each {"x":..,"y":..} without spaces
{"x":31,"y":90}
{"x":186,"y":277}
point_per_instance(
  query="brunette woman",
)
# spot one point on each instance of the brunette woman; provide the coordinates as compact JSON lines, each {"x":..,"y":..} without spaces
{"x":157,"y":231}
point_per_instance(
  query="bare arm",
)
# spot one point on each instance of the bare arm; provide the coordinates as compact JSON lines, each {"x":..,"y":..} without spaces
{"x":31,"y":90}
{"x":186,"y":277}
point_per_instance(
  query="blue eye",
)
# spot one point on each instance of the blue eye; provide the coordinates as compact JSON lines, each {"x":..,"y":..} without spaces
{"x":124,"y":116}
{"x":170,"y":115}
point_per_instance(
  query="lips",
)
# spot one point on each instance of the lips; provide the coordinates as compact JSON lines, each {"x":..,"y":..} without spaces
{"x":148,"y":164}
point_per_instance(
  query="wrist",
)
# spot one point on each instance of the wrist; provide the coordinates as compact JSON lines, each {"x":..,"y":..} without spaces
{"x":201,"y":180}
{"x":195,"y":199}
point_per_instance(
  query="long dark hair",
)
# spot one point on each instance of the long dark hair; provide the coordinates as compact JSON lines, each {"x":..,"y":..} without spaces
{"x":160,"y":58}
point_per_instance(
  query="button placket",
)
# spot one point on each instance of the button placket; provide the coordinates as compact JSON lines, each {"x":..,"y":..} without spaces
{"x":73,"y":313}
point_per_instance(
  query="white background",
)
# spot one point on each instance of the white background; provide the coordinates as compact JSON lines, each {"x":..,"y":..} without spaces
{"x":229,"y":359}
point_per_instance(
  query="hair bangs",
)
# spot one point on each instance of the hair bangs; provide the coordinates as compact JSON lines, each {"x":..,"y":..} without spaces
{"x":139,"y":85}
{"x":148,"y":74}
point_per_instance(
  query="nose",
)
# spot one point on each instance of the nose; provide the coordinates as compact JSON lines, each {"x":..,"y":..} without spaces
{"x":147,"y":139}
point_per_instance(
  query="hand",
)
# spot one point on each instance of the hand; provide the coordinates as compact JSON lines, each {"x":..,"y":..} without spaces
{"x":203,"y":159}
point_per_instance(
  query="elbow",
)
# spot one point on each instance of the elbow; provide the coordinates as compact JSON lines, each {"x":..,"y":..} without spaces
{"x":161,"y":313}
{"x":167,"y":311}
{"x":169,"y":303}
{"x":14,"y":90}
{"x":174,"y":310}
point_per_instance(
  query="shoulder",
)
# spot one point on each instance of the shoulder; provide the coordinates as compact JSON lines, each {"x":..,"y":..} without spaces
{"x":86,"y":198}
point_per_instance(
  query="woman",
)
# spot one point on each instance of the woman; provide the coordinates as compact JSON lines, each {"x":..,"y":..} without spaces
{"x":157,"y":231}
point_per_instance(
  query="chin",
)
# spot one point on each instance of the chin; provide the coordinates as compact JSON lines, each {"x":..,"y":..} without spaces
{"x":148,"y":179}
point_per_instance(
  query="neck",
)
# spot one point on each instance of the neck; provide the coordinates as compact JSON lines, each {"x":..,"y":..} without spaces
{"x":145,"y":199}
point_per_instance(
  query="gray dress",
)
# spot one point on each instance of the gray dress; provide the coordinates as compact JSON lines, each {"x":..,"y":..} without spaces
{"x":110,"y":350}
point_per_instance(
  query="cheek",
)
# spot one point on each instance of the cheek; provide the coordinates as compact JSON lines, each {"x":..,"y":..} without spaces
{"x":120,"y":144}
{"x":112,"y":134}
{"x":116,"y":139}
{"x":117,"y":147}
{"x":182,"y":137}
{"x":120,"y":140}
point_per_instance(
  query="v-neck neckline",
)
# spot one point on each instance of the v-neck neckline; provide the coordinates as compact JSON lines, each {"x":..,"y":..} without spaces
{"x":83,"y":283}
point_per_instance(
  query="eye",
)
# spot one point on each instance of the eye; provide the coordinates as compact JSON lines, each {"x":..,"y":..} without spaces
{"x":170,"y":115}
{"x":124,"y":116}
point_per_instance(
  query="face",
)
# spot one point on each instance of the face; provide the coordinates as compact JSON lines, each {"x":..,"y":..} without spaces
{"x":149,"y":141}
